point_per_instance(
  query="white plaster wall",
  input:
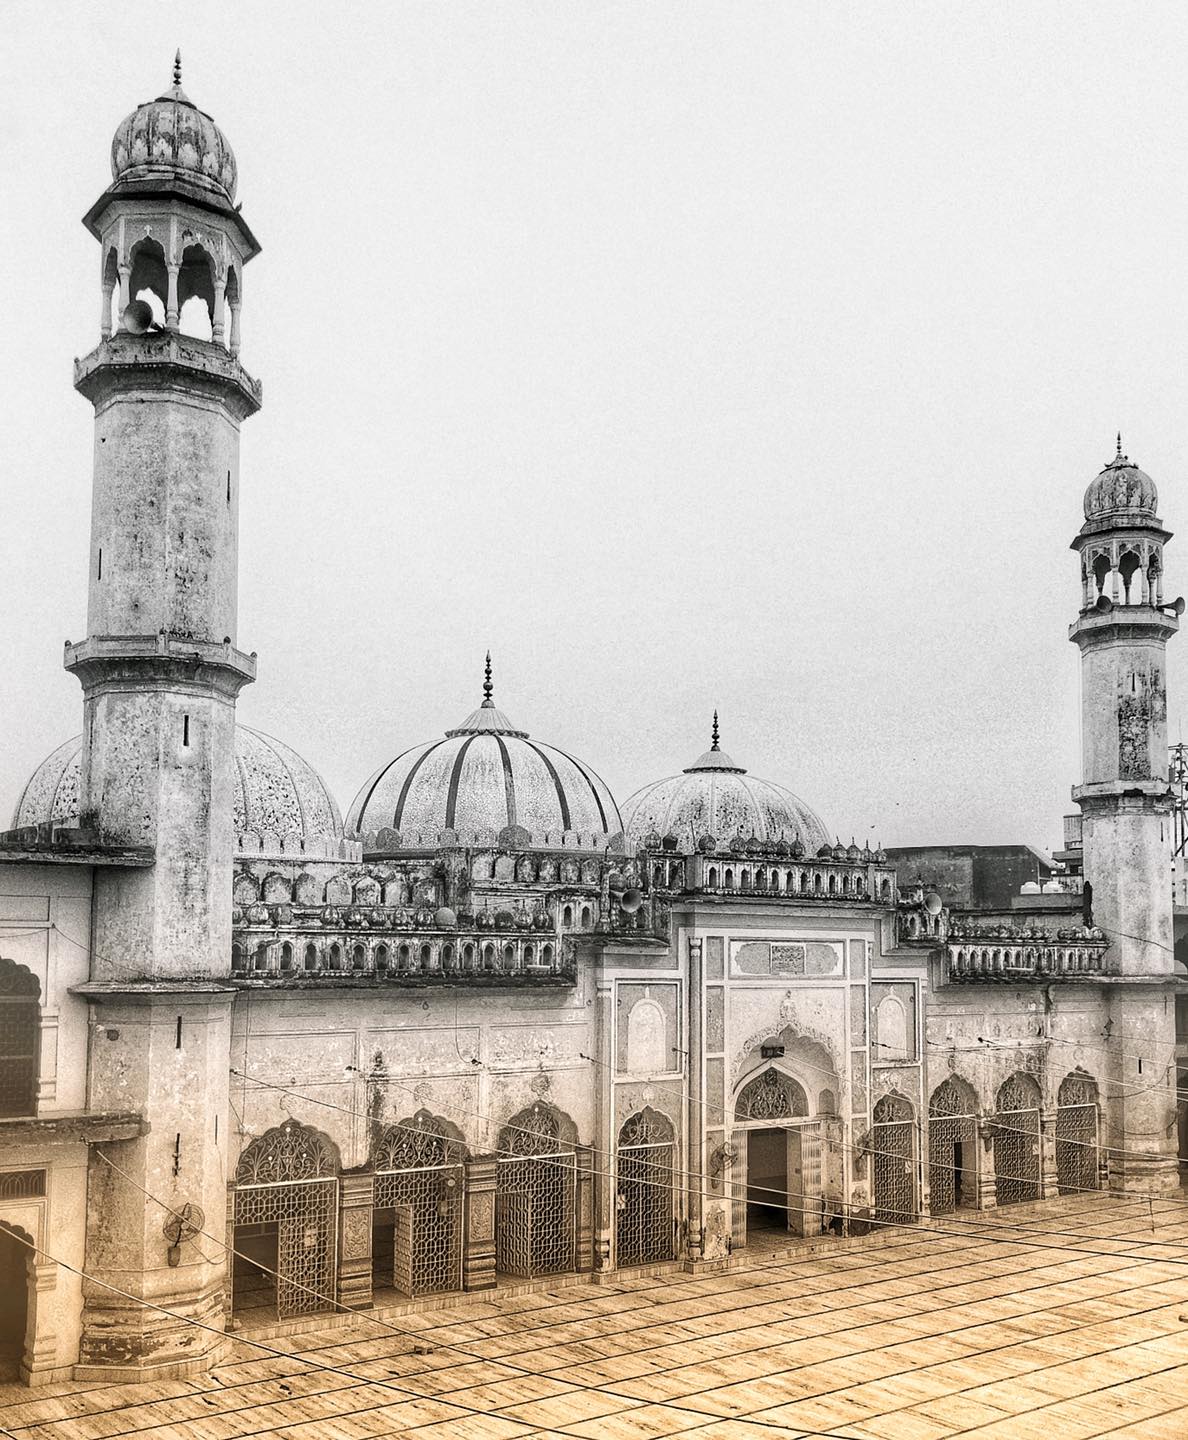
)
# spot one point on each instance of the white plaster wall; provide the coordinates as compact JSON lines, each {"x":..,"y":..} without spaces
{"x":341,"y":1059}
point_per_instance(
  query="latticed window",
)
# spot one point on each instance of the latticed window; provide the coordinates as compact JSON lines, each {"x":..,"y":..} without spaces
{"x":1017,"y":1141}
{"x":20,"y":1039}
{"x":893,"y":1141}
{"x":952,"y":1146}
{"x":286,"y":1221}
{"x":771,"y":1096}
{"x":419,"y":1174}
{"x":536,"y":1214}
{"x":644,"y":1199}
{"x":1077,"y":1134}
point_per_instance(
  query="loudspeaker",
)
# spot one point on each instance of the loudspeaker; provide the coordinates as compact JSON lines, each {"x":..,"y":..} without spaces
{"x":137,"y":318}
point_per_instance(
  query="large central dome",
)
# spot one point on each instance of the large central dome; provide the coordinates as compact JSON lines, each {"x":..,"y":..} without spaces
{"x":716,"y":797}
{"x":482,"y":777}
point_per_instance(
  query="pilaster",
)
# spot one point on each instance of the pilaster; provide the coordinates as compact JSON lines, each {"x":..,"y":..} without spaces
{"x":478,"y":1256}
{"x":355,"y":1200}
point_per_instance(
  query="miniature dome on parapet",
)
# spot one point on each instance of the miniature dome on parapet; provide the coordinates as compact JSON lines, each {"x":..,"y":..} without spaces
{"x":1121,"y":490}
{"x":481,"y":778}
{"x":170,"y":138}
{"x":277,"y":793}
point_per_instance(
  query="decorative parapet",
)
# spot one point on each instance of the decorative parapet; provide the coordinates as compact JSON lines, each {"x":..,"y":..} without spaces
{"x":279,"y":948}
{"x":1009,"y":952}
{"x":150,"y":358}
{"x":826,"y":880}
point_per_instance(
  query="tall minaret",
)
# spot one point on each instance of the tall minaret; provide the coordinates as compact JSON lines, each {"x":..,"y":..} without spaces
{"x":160,"y":676}
{"x":1122,"y":633}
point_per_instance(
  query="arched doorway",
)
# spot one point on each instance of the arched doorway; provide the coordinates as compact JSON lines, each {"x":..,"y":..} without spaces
{"x":1076,"y":1134}
{"x":644,"y":1220}
{"x":16,"y":1255}
{"x":952,"y":1147}
{"x":1017,"y":1141}
{"x":286,"y":1222}
{"x":536,"y":1194}
{"x":417,"y":1220}
{"x":781,"y":1153}
{"x":893,"y":1141}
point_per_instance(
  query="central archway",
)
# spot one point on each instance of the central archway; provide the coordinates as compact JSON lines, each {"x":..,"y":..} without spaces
{"x":779,"y":1146}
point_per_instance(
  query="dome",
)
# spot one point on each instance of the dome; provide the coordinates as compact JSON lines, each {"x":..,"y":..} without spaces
{"x":277,"y":792}
{"x":171,"y":137}
{"x":481,"y":778}
{"x":1122,"y":489}
{"x":716,"y":796}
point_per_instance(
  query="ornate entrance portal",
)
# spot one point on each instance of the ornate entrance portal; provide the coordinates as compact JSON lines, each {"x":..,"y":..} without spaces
{"x":535,"y":1195}
{"x":286,"y":1222}
{"x":781,"y":1161}
{"x":419,"y":1171}
{"x":644,"y":1230}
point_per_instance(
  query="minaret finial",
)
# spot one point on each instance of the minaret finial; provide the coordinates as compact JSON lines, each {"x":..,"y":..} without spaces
{"x":488,"y":687}
{"x":1119,"y":454}
{"x":177,"y":69}
{"x":714,"y":733}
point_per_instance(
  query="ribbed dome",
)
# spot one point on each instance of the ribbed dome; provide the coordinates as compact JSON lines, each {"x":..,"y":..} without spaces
{"x":715,"y":796}
{"x":170,"y":136}
{"x":483,"y":776}
{"x":278,"y":792}
{"x":1122,"y":489}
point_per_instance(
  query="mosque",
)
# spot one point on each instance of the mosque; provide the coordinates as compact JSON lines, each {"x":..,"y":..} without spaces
{"x":258,"y":1063}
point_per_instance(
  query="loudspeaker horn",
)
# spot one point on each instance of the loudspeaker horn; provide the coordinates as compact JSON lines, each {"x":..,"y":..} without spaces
{"x":933,"y":903}
{"x":1104,"y":605}
{"x":137,"y":318}
{"x":631,"y":900}
{"x":1178,"y":605}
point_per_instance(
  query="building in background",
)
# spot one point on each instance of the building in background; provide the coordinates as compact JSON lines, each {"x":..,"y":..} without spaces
{"x":258,"y":1063}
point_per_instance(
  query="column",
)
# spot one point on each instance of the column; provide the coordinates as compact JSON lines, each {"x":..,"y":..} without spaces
{"x":235,"y":309}
{"x":694,"y":1124}
{"x":125,"y":290}
{"x":356,"y":1193}
{"x":219,"y":316}
{"x":1049,"y":1176}
{"x":172,"y":309}
{"x":108,"y":289}
{"x":584,"y":1201}
{"x":38,"y":1363}
{"x":987,"y":1200}
{"x":478,"y":1256}
{"x":605,"y":1211}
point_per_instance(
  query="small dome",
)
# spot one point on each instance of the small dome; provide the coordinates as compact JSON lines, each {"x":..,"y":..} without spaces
{"x":277,"y":791}
{"x":716,"y":796}
{"x":481,"y":778}
{"x":1122,"y":489}
{"x":170,"y":136}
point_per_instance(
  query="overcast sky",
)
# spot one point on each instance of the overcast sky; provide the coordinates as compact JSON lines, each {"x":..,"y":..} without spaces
{"x":685,"y":355}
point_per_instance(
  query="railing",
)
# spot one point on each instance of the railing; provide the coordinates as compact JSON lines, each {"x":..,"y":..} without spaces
{"x":1009,"y":956}
{"x":299,"y":957}
{"x":831,"y":883}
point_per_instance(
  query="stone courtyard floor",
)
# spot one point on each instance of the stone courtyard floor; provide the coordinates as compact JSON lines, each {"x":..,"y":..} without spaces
{"x":1058,"y":1322}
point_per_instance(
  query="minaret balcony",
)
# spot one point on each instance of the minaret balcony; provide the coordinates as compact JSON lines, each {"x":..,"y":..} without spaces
{"x":163,"y":360}
{"x":163,"y":656}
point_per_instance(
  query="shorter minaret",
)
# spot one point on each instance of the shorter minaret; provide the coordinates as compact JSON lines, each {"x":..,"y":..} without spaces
{"x":1122,"y":633}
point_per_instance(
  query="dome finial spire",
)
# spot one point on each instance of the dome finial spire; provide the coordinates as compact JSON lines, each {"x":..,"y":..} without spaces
{"x":714,"y":734}
{"x":488,"y":687}
{"x":177,"y":69}
{"x":1119,"y":454}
